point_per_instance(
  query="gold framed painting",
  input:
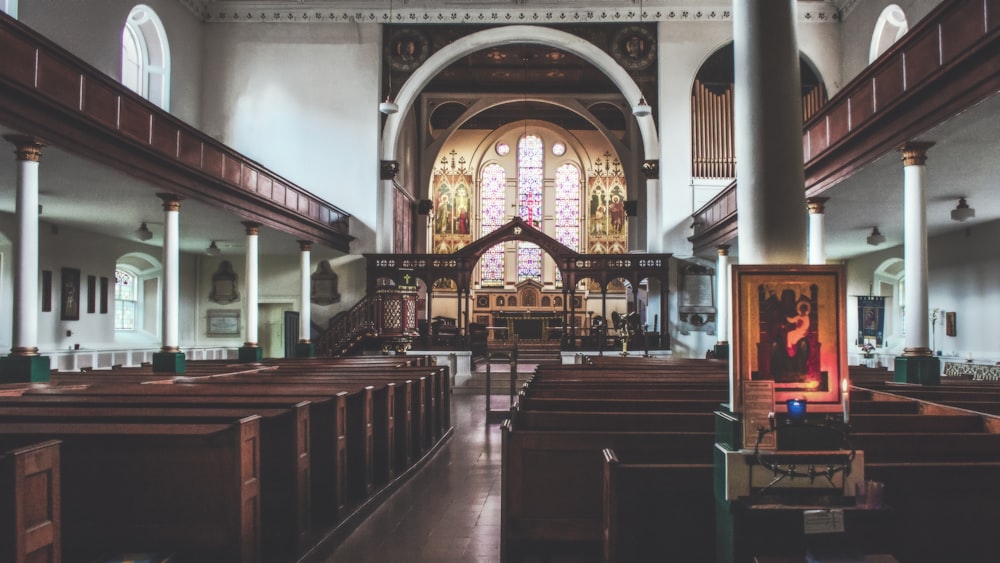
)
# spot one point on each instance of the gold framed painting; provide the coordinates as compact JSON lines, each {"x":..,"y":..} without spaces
{"x":790,"y":328}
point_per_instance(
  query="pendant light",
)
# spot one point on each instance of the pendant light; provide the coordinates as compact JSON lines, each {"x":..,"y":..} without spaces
{"x":389,"y":107}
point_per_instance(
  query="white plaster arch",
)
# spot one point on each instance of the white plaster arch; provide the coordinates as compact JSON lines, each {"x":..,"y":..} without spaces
{"x":506,"y":35}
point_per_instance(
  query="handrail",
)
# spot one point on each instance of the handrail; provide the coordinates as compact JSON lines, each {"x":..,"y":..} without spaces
{"x":346,"y":330}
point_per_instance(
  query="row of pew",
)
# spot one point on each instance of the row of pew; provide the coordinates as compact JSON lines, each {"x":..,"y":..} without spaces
{"x":264,"y":462}
{"x":613,"y":461}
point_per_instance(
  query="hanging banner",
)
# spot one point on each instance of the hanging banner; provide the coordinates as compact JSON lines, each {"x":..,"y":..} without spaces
{"x":871,"y":319}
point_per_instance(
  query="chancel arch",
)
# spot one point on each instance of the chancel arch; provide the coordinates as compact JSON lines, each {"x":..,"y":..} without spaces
{"x":474,"y":42}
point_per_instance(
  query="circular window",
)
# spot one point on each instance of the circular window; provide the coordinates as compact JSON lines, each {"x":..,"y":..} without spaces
{"x":558,"y":149}
{"x":502,"y":148}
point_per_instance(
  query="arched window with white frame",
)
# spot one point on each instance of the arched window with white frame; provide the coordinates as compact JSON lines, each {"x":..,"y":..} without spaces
{"x":9,"y":7}
{"x":890,"y":26}
{"x":146,"y":56}
{"x":126,"y":299}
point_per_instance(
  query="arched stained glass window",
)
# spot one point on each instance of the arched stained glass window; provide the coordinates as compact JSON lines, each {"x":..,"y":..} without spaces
{"x":126,"y":299}
{"x":530,"y":172}
{"x":492,"y":202}
{"x":567,"y":209}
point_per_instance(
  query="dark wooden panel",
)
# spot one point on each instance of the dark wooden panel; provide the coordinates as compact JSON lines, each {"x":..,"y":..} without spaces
{"x":888,"y":83}
{"x":862,"y":105}
{"x":189,"y":149}
{"x":232,"y":170}
{"x":18,"y":60}
{"x":303,"y":204}
{"x":212,"y":160}
{"x":278,"y":192}
{"x":923,"y":57}
{"x":817,"y":137}
{"x":324,"y":214}
{"x":164,"y":136}
{"x":992,"y":15}
{"x":264,"y":184}
{"x":291,"y":199}
{"x":58,"y":81}
{"x":100,"y":102}
{"x":837,"y":122}
{"x":960,"y":28}
{"x":134,"y":120}
{"x":249,"y":178}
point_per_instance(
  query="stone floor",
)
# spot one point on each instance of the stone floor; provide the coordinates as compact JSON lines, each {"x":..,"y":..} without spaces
{"x":450,"y":511}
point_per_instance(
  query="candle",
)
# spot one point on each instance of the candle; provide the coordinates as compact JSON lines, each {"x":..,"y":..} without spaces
{"x":845,"y":399}
{"x":796,"y":409}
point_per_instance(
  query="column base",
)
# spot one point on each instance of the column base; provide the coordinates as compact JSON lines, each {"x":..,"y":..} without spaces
{"x":305,"y":350}
{"x":169,"y":362}
{"x":251,"y":354}
{"x":24,"y":369}
{"x":921,"y":370}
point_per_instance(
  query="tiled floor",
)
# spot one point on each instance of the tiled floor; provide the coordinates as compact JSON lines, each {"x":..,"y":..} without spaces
{"x":450,"y":511}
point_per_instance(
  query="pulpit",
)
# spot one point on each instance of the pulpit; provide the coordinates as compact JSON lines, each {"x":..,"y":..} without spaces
{"x":396,"y":317}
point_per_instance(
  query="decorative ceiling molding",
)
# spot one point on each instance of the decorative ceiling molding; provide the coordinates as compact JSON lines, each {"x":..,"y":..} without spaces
{"x":233,"y":11}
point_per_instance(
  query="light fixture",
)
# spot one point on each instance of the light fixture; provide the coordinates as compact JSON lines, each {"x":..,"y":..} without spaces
{"x":213,"y":250}
{"x":641,"y":109}
{"x":963,"y":212}
{"x":389,"y":107}
{"x":143,"y":232}
{"x":876,"y":238}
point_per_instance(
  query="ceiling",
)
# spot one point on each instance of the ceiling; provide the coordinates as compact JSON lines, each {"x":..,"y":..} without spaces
{"x":75,"y":193}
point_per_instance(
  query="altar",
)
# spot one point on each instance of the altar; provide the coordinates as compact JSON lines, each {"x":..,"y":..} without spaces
{"x":542,"y":326}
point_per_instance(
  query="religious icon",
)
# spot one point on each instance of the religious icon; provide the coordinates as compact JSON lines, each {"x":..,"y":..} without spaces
{"x":70,"y":298}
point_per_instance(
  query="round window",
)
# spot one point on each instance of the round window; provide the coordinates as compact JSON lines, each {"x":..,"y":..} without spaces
{"x":502,"y":148}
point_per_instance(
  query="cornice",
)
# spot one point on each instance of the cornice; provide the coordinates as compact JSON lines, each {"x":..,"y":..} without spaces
{"x":229,"y":11}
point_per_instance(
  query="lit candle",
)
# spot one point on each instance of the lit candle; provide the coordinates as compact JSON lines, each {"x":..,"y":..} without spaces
{"x":844,"y":393}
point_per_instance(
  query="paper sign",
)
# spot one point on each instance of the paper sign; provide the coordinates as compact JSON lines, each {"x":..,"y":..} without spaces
{"x":823,"y":521}
{"x":758,"y":402}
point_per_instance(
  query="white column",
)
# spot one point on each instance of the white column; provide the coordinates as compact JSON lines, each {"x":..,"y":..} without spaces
{"x":722,"y":282}
{"x":25,"y":335}
{"x":252,"y":281}
{"x":768,"y":128}
{"x":915,"y":249}
{"x":817,"y":229}
{"x":171,"y":272}
{"x":305,"y":316}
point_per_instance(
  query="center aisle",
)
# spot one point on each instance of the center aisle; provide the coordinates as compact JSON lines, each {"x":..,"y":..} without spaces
{"x":450,"y":511}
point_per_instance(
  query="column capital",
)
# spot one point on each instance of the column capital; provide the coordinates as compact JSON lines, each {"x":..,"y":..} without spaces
{"x":171,"y":202}
{"x":722,"y":250}
{"x":914,"y":153}
{"x":816,"y":205}
{"x":26,"y":147}
{"x":305,"y":245}
{"x":252,"y":229}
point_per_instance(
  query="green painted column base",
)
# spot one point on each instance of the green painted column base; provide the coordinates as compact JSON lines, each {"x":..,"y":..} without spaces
{"x":305,"y":350}
{"x":24,"y":369}
{"x":251,"y":354}
{"x":169,"y":362}
{"x":920,"y":370}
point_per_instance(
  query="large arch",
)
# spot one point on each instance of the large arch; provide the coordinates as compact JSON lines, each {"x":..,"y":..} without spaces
{"x":506,"y":35}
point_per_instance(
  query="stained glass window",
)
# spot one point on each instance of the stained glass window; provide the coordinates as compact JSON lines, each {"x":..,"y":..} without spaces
{"x":530,"y":160}
{"x":567,"y":209}
{"x":530,"y":171}
{"x":126,"y":300}
{"x":492,"y":204}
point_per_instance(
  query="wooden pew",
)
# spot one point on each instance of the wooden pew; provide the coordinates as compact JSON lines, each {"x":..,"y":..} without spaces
{"x":657,"y":511}
{"x":285,"y":457}
{"x":328,"y":432}
{"x":186,"y":488}
{"x":552,"y":484}
{"x":30,"y":521}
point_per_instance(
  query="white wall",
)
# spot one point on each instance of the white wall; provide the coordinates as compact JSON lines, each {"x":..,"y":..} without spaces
{"x":962,"y":274}
{"x":93,"y":32}
{"x":303,"y":101}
